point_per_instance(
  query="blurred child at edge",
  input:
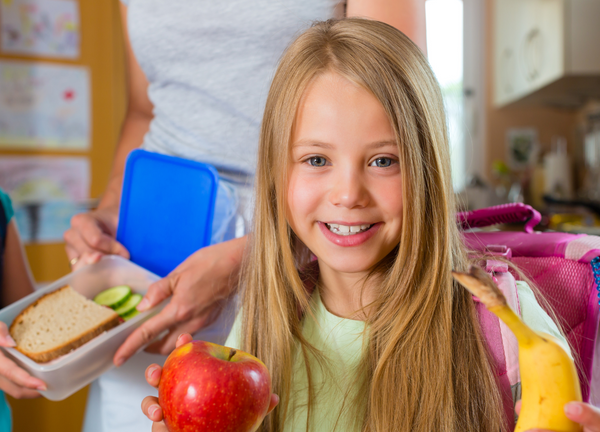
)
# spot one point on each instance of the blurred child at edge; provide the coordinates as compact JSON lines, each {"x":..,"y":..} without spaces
{"x":17,"y":282}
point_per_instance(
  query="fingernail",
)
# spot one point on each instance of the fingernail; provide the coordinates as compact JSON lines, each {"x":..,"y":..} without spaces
{"x":143,"y":305}
{"x":119,"y":361}
{"x":573,"y":408}
{"x":42,"y":387}
{"x":179,"y":337}
{"x":151,"y":371}
{"x":152,"y":410}
{"x":9,"y":341}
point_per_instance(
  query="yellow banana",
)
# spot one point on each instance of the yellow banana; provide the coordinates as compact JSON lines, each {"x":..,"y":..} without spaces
{"x":548,"y":376}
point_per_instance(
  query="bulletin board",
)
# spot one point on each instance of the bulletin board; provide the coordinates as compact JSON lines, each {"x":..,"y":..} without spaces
{"x":101,"y":54}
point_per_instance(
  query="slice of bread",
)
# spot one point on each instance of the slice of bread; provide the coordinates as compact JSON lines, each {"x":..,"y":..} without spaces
{"x":59,"y":322}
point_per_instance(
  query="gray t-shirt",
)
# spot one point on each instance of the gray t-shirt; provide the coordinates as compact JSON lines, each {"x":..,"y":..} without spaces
{"x":209,"y":64}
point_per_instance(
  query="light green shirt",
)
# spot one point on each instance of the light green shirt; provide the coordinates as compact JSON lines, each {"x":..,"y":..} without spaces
{"x":340,"y":341}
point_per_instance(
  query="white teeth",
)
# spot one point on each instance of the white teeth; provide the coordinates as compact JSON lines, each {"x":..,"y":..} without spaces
{"x":347,"y":229}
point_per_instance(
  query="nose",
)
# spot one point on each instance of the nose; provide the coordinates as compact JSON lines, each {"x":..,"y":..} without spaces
{"x":349,"y":188}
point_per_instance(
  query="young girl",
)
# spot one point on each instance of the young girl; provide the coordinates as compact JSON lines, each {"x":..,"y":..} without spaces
{"x":348,"y":296}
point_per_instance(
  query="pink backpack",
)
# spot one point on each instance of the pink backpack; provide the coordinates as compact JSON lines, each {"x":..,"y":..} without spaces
{"x":565,"y":269}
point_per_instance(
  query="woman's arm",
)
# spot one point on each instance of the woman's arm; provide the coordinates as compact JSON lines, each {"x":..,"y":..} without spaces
{"x":407,"y":16}
{"x":137,"y":120}
{"x":96,"y":230}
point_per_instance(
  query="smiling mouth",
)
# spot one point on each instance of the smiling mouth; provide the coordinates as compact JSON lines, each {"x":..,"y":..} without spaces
{"x":347,"y":230}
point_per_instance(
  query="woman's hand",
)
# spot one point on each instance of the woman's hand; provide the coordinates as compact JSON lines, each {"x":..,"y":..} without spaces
{"x":199,"y":287}
{"x":14,"y":380}
{"x":94,"y":231}
{"x":150,"y":406}
{"x":87,"y":258}
{"x":585,"y":414}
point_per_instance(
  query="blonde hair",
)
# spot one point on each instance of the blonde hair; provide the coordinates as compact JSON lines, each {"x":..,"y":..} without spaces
{"x":426,"y":362}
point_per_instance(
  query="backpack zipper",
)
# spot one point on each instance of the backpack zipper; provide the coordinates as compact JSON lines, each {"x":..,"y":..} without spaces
{"x":596,"y":269}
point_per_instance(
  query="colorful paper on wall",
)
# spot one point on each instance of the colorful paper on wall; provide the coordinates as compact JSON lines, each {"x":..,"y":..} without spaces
{"x":46,"y":192}
{"x":40,"y":27}
{"x":44,"y":106}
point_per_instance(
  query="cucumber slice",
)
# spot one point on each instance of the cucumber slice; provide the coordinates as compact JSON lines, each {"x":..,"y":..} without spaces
{"x":113,"y":297}
{"x":130,"y":315}
{"x":129,"y":305}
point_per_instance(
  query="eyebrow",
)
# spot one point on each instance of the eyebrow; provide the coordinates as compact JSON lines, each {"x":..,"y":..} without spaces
{"x":315,"y":143}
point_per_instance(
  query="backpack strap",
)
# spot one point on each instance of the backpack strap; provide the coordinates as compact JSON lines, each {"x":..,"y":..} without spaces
{"x":501,"y":341}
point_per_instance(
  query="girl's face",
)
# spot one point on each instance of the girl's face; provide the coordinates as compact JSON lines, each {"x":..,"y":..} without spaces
{"x":345,"y":185}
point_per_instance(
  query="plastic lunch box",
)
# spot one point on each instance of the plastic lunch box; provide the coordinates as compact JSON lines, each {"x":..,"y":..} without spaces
{"x":73,"y":371}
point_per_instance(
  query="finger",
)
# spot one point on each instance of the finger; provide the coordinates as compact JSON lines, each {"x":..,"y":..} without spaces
{"x":104,"y":243}
{"x":168,"y":343}
{"x":152,"y":409}
{"x":17,"y":391}
{"x":585,"y":414}
{"x":145,"y":334}
{"x":153,"y":373}
{"x":518,"y":407}
{"x":5,"y":339}
{"x":273,"y":403}
{"x":183,"y":339}
{"x":75,"y":246}
{"x":157,"y":292}
{"x":86,"y":259}
{"x":72,"y":253}
{"x":94,"y":237}
{"x":159,"y":427}
{"x":11,"y":372}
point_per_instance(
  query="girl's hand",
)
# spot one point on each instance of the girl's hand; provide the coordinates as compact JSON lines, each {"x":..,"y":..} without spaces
{"x":150,"y":406}
{"x":585,"y":414}
{"x":14,"y":380}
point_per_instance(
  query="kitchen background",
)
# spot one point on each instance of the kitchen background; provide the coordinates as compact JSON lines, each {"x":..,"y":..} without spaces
{"x":521,"y":81}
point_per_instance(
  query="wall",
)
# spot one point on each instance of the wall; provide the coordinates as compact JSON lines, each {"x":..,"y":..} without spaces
{"x":548,"y":121}
{"x":102,"y":52}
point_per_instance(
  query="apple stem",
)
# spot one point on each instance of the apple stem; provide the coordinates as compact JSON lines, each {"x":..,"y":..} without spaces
{"x":231,"y":354}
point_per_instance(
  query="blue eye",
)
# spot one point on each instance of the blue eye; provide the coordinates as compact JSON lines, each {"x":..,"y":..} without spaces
{"x":317,"y":161}
{"x":382,"y":162}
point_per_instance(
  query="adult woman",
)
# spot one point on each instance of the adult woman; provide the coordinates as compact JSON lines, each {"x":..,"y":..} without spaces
{"x":198,"y":77}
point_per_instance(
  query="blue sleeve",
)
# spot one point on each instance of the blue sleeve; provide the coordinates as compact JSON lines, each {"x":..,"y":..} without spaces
{"x":7,"y":204}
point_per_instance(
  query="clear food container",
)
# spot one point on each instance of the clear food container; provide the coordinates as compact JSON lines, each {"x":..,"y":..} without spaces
{"x":69,"y":373}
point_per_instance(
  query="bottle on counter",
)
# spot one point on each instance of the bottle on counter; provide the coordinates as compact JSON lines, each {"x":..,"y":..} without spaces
{"x":558,"y":181}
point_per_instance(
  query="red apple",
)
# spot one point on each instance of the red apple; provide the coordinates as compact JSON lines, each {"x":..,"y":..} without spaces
{"x":207,"y":387}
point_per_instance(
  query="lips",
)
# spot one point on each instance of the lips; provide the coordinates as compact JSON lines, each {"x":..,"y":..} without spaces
{"x":336,"y":233}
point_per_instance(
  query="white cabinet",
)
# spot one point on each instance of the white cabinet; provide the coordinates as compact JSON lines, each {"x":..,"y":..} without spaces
{"x":546,"y":51}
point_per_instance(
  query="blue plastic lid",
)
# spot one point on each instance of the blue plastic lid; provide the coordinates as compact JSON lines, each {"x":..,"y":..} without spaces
{"x":167,"y":208}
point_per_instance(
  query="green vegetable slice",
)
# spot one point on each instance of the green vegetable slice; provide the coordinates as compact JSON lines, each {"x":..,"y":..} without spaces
{"x":130,"y":315}
{"x":129,"y":305}
{"x":114,"y":297}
